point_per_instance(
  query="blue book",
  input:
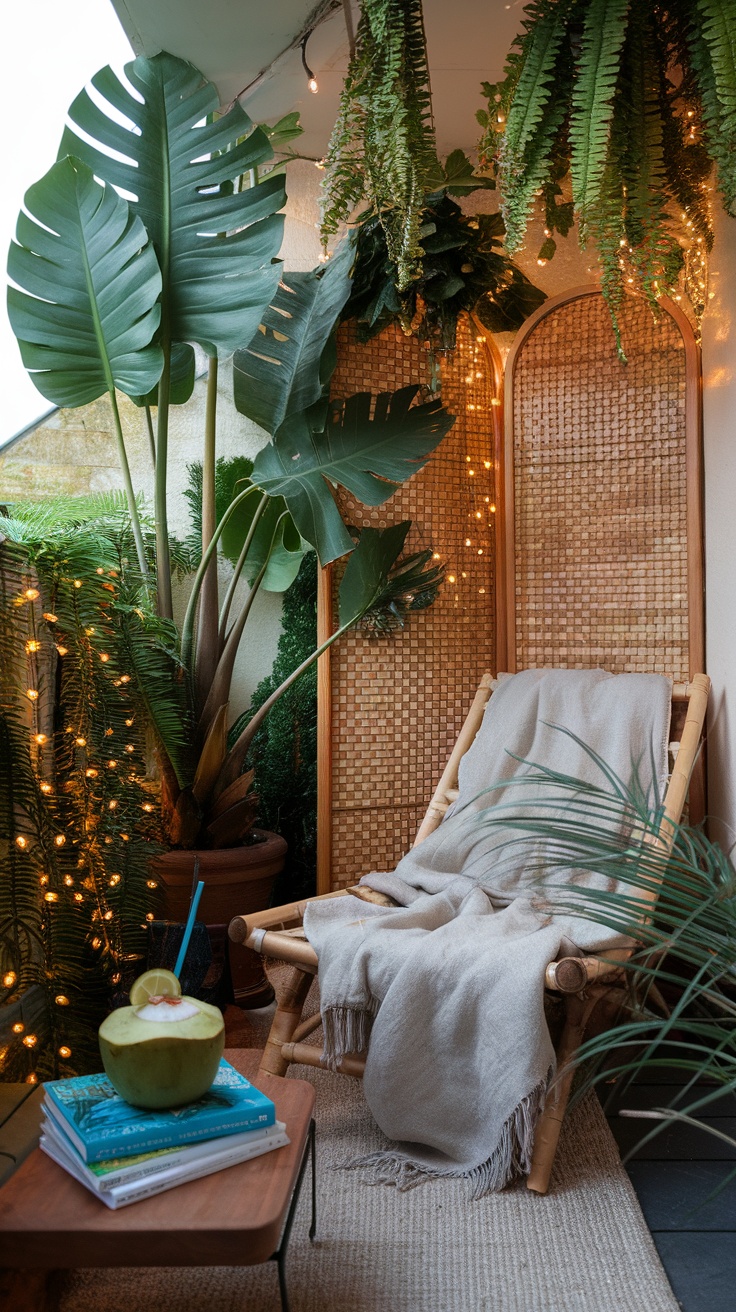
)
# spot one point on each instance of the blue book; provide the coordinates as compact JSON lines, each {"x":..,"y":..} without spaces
{"x":101,"y":1124}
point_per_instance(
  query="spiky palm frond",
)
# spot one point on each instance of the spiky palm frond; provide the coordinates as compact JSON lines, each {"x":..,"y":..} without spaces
{"x":412,"y":584}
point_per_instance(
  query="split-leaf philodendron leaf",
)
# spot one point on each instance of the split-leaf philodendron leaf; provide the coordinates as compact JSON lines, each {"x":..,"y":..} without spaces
{"x":89,"y":305}
{"x":278,"y":372}
{"x":370,"y":455}
{"x":368,"y":568}
{"x":215,"y":244}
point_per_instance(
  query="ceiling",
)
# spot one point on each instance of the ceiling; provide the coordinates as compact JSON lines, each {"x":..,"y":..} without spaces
{"x":234,"y":44}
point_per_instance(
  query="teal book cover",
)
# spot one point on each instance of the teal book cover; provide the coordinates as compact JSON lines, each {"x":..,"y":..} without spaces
{"x":102,"y":1125}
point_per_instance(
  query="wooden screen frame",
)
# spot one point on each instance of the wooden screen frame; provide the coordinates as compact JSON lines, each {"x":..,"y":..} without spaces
{"x":693,"y":482}
{"x":326,"y":619}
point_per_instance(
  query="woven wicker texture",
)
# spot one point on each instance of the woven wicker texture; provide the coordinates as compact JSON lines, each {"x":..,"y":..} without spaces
{"x":399,"y":702}
{"x":600,"y":493}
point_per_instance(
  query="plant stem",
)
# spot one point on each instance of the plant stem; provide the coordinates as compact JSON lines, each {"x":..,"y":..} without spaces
{"x":239,"y":569}
{"x":187,"y":632}
{"x":129,"y":492}
{"x":207,"y":647}
{"x":151,"y":435}
{"x":163,"y":559}
{"x":219,"y":691}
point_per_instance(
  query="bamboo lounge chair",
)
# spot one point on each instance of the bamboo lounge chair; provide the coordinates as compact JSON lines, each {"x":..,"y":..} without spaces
{"x":582,"y":981}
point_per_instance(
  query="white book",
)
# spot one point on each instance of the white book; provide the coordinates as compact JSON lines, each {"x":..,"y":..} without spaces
{"x":170,"y":1176}
{"x":122,"y":1170}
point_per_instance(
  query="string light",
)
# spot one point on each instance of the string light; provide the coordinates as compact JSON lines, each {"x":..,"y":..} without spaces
{"x":104,"y":656}
{"x":33,"y":645}
{"x":51,"y":897}
{"x":32,"y":694}
{"x":151,"y":883}
{"x":68,"y":881}
{"x":21,"y":842}
{"x":18,"y":1028}
{"x":9,"y":979}
{"x":49,"y":617}
{"x":61,"y":1000}
{"x":46,"y":788}
{"x":39,"y":738}
{"x":311,"y":79}
{"x":64,"y":1051}
{"x":96,"y":943}
{"x":91,"y":773}
{"x":32,"y":1078}
{"x":59,"y":840}
{"x":30,"y":1040}
{"x":32,"y":594}
{"x":78,"y":583}
{"x":63,"y":651}
{"x":81,"y":742}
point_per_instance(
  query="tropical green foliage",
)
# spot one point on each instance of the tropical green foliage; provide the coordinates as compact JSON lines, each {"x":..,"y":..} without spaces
{"x":79,"y":816}
{"x":687,"y":948}
{"x":382,"y":149}
{"x":463,"y":270}
{"x":632,"y":103}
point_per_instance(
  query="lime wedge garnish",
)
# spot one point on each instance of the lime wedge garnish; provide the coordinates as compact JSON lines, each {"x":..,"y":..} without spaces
{"x":156,"y":983}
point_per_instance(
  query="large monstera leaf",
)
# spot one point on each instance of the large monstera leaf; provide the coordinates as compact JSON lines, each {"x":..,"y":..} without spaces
{"x":88,"y":309}
{"x":370,"y":455}
{"x":215,"y":245}
{"x":279,"y":372}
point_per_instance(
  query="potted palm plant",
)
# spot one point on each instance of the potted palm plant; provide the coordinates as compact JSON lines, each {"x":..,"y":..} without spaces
{"x":110,"y":295}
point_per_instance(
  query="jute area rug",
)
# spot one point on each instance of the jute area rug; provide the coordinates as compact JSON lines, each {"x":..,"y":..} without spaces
{"x":583,"y":1248}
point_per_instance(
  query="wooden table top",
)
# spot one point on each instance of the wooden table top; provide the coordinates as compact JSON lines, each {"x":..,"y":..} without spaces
{"x":231,"y":1218}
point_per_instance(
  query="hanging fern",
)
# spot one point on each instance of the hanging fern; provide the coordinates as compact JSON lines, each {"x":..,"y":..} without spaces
{"x":382,"y":149}
{"x":615,"y":110}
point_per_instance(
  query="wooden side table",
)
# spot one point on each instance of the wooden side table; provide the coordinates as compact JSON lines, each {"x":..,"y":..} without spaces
{"x":237,"y":1217}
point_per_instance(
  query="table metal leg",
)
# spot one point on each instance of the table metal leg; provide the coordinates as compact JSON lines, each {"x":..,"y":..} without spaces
{"x":279,"y":1257}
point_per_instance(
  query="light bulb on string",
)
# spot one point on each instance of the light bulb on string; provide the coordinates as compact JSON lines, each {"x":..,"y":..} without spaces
{"x":311,"y":79}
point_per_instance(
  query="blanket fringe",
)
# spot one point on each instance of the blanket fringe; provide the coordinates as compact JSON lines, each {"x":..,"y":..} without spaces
{"x":346,"y":1029}
{"x":511,"y":1157}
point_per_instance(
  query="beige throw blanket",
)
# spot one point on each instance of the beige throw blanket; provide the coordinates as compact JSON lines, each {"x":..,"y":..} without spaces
{"x":450,"y":985}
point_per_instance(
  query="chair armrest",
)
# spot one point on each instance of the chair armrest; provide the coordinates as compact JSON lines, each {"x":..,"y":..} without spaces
{"x":573,"y":974}
{"x":287,"y":916}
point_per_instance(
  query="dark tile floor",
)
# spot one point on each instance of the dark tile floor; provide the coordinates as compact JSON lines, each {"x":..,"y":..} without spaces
{"x":682,"y":1181}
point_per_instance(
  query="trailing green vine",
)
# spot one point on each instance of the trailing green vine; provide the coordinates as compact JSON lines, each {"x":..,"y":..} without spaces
{"x":615,"y":112}
{"x":382,"y":149}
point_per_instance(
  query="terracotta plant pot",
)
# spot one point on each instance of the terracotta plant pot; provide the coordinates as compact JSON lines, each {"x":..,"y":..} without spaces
{"x":236,"y":880}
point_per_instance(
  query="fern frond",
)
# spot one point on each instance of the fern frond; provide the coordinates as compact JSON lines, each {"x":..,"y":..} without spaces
{"x":592,"y":101}
{"x":713,"y":46}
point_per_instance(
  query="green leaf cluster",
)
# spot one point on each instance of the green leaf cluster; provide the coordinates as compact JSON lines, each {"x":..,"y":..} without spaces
{"x":382,"y":150}
{"x":615,"y":112}
{"x":464,"y":270}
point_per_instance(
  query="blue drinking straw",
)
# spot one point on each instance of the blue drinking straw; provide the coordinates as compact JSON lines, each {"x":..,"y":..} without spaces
{"x":188,"y":928}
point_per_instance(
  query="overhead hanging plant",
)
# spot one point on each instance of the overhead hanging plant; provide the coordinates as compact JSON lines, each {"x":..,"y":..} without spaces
{"x":382,"y":150}
{"x":615,"y":111}
{"x":464,"y":269}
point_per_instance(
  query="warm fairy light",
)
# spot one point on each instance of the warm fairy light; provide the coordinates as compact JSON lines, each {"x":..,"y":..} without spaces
{"x":114,"y":879}
{"x":43,"y":880}
{"x":541,"y":263}
{"x":481,"y":589}
{"x":96,"y":943}
{"x":90,"y":631}
{"x":51,"y":897}
{"x":495,"y":401}
{"x":91,"y":773}
{"x":111,"y":765}
{"x":32,"y":594}
{"x":32,"y":694}
{"x":492,"y":509}
{"x":151,"y":883}
{"x":62,"y":650}
{"x":468,"y":543}
{"x":150,"y":916}
{"x":112,"y":804}
{"x":77,"y":583}
{"x":147,"y":806}
{"x":33,"y":645}
{"x":108,"y":841}
{"x":125,"y":837}
{"x":129,"y":747}
{"x":480,"y":551}
{"x":435,"y":555}
{"x":39,"y":738}
{"x":30,"y":1040}
{"x":46,"y":788}
{"x":450,"y":578}
{"x":64,"y":1051}
{"x":125,"y":678}
{"x":81,"y":742}
{"x":107,"y":915}
{"x":104,"y":656}
{"x":99,"y":570}
{"x":9,"y":979}
{"x":480,"y":339}
{"x":109,"y":733}
{"x":21,"y":842}
{"x":32,"y":1078}
{"x":68,"y":881}
{"x":61,"y":1000}
{"x":60,"y":840}
{"x":129,"y":722}
{"x":479,"y":514}
{"x":49,"y":617}
{"x":79,"y":897}
{"x":116,"y":978}
{"x":471,"y":473}
{"x":18,"y":1028}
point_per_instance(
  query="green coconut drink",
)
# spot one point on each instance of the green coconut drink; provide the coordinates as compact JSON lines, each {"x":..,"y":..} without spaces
{"x":164,"y":1049}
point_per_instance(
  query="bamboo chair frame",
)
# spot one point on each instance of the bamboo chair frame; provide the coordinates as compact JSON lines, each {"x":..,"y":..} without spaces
{"x":582,"y":981}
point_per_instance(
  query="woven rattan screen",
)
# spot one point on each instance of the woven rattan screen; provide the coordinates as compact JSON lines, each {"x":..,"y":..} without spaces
{"x":603,"y":542}
{"x":398,"y":703}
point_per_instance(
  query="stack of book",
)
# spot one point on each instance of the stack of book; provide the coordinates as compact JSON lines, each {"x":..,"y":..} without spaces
{"x":123,"y":1153}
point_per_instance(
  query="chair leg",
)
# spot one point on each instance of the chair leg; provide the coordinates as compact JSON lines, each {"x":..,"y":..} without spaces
{"x":579,"y":1008}
{"x":288,"y":1015}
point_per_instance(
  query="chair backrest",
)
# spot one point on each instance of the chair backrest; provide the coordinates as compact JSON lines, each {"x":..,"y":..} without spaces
{"x":689,"y":704}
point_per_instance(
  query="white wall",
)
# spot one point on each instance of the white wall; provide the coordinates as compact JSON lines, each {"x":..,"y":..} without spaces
{"x":719,"y":436}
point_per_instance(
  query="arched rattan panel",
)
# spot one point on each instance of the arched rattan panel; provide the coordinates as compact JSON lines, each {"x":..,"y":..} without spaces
{"x":390,"y":708}
{"x":604,"y":563}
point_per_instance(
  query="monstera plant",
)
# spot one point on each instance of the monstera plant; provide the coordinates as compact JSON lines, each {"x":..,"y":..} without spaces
{"x":157,"y":229}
